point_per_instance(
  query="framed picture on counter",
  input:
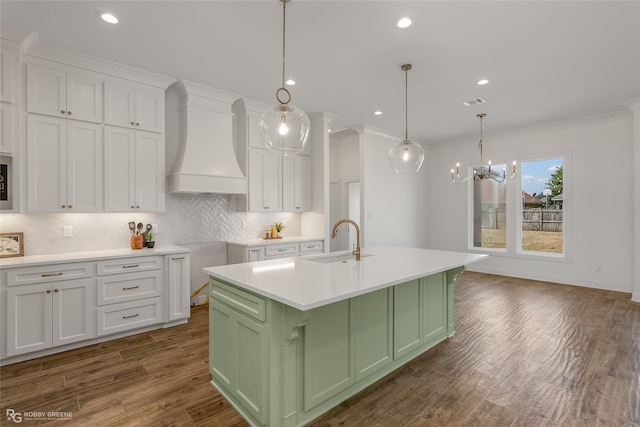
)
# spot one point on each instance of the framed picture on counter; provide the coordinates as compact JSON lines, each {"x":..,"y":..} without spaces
{"x":11,"y":244}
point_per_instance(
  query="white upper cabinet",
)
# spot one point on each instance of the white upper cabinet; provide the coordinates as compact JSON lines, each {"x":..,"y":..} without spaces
{"x":9,"y":69}
{"x":296,"y":183}
{"x":134,"y":170}
{"x":133,"y":106}
{"x":64,"y":164}
{"x":265,"y":182}
{"x":64,"y":94}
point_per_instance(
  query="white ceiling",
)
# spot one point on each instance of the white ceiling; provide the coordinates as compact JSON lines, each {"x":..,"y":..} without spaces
{"x":547,"y":60}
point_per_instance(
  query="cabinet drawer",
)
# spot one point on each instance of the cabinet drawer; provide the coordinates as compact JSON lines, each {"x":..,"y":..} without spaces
{"x":49,"y":273}
{"x":129,"y":315}
{"x":282,"y":250}
{"x":311,"y":247}
{"x":247,"y":303}
{"x":129,"y":287}
{"x":129,"y":265}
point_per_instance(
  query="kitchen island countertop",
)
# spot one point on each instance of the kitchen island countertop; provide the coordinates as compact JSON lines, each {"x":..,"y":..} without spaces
{"x":304,"y":284}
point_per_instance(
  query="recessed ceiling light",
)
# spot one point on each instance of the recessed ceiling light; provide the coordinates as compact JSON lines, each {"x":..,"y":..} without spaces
{"x":483,"y":82}
{"x":377,"y":113}
{"x":108,"y":17}
{"x":290,"y":82}
{"x":404,"y":22}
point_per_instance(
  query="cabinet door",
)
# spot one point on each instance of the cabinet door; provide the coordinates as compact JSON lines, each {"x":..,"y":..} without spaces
{"x":434,"y":304}
{"x":271,"y":182}
{"x":374,"y":340}
{"x":29,"y":311}
{"x":119,"y":169}
{"x":84,"y":98}
{"x":85,"y":158}
{"x":178,"y":273}
{"x":119,"y":105}
{"x":149,"y":109}
{"x":73,"y":317}
{"x":238,"y":357}
{"x":46,"y":164}
{"x":265,"y":182}
{"x":9,"y":72}
{"x":328,"y":354}
{"x":296,"y":183}
{"x":46,"y":91}
{"x":6,"y":127}
{"x":256,"y":254}
{"x":406,"y":318}
{"x":149,"y":171}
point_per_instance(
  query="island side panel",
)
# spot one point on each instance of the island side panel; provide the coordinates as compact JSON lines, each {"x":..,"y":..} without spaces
{"x":451,"y":321}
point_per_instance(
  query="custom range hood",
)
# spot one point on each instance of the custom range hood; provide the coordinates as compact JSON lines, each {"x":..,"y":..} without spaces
{"x":205,"y":160}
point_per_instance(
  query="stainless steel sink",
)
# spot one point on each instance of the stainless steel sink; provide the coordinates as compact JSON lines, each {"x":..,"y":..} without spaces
{"x":335,"y":258}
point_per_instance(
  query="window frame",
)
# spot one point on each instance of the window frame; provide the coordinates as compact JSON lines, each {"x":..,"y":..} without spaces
{"x":514,"y":214}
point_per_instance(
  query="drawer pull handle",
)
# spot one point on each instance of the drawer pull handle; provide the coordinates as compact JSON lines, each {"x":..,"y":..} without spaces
{"x":131,"y":266}
{"x":177,"y":258}
{"x":129,"y":317}
{"x":282,"y":250}
{"x":52,"y":274}
{"x":131,"y":287}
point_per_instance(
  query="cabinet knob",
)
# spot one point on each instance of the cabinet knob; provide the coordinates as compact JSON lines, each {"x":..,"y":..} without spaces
{"x":137,"y":124}
{"x":55,"y":290}
{"x":133,"y":207}
{"x":63,"y":206}
{"x":70,"y":206}
{"x":63,"y":111}
{"x":132,"y":123}
{"x":48,"y":291}
{"x":137,"y":206}
{"x":69,"y":112}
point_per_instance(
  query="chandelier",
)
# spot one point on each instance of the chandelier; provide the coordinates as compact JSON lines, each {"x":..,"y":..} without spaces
{"x":406,"y":156}
{"x":284,"y":128}
{"x":484,"y":172}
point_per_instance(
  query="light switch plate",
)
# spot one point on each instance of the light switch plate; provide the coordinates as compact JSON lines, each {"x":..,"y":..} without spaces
{"x":154,"y":228}
{"x":67,"y":231}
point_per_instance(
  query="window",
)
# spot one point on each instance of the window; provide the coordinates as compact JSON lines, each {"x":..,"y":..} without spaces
{"x":489,"y":212}
{"x":542,"y":213}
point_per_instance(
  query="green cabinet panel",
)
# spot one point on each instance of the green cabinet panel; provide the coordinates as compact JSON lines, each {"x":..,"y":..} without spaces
{"x":434,"y":297}
{"x":220,"y":358}
{"x":238,"y":357}
{"x":373,"y":321}
{"x":328,"y":353}
{"x":407,"y":334}
{"x":251,"y":371}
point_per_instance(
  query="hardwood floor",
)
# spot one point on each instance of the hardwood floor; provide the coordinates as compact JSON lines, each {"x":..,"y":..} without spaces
{"x":525,"y":353}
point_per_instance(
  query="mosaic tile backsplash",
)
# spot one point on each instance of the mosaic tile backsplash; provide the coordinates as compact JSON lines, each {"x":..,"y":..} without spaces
{"x":188,"y":219}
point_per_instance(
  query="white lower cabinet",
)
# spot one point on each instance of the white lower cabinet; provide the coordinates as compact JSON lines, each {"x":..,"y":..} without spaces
{"x":238,"y":252}
{"x":46,"y":315}
{"x":178,"y":277}
{"x":79,"y":301}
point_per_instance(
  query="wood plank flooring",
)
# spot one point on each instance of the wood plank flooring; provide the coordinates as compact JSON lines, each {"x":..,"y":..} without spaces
{"x":525,"y":353}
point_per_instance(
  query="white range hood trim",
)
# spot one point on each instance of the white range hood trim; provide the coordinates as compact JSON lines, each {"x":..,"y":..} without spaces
{"x":191,"y":183}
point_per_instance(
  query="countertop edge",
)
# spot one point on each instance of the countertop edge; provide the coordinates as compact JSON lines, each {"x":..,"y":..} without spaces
{"x":65,"y":257}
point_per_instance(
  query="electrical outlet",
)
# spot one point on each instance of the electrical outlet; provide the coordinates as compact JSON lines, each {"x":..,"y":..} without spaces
{"x":243,"y":225}
{"x":67,"y":231}
{"x":154,"y":228}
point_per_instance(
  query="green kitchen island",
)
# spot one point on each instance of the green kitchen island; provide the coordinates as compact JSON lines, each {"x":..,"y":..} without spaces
{"x":291,"y":338}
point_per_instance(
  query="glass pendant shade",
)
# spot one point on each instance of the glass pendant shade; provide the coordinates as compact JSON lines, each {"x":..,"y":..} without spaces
{"x":284,"y":129}
{"x":406,"y":157}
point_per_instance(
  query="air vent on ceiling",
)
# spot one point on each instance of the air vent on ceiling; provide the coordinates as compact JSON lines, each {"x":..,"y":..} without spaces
{"x":474,"y":101}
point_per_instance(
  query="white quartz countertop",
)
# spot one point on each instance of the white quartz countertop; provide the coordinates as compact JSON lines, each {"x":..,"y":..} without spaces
{"x":34,"y":260}
{"x":263,"y":242}
{"x":304,"y":284}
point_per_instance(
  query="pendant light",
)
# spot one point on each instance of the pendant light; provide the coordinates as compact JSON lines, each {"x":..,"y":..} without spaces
{"x":284,"y":128}
{"x":483,"y":172}
{"x":406,"y":156}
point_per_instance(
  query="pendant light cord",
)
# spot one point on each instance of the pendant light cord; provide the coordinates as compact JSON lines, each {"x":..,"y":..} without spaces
{"x":284,"y":26}
{"x":406,"y":104}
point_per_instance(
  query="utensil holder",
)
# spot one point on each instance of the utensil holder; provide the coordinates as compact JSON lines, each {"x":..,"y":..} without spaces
{"x":137,"y":241}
